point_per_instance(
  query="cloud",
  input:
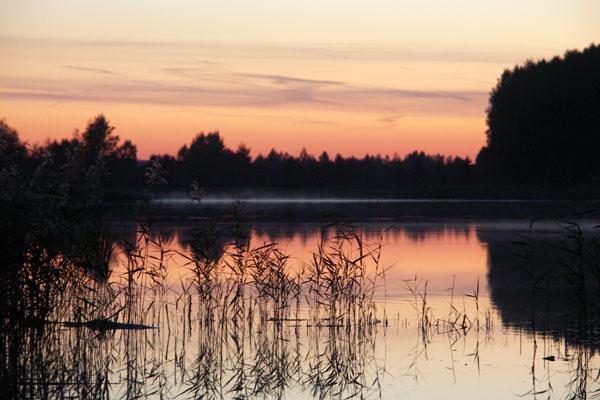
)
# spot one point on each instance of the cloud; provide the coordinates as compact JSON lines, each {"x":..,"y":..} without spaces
{"x":391,"y":120}
{"x":54,"y":105}
{"x":178,"y":74}
{"x":264,"y":50}
{"x":310,"y":93}
{"x":307,"y":94}
{"x":87,"y":69}
{"x":286,"y":80}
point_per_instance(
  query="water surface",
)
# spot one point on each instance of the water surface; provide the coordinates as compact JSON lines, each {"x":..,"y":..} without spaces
{"x":456,"y":308}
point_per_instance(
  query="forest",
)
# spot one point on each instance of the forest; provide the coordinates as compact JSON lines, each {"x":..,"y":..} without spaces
{"x":543,"y":123}
{"x":96,"y":157}
{"x":542,"y":142}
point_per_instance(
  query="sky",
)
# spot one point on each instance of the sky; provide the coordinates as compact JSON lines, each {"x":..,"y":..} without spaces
{"x":349,"y":77}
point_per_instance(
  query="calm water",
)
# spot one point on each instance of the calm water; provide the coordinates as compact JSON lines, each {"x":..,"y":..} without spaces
{"x":449,"y":314}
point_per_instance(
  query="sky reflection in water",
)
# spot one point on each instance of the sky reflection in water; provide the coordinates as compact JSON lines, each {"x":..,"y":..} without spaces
{"x":500,"y":355}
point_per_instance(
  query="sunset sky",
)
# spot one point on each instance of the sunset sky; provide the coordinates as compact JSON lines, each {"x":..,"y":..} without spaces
{"x":352,"y":77}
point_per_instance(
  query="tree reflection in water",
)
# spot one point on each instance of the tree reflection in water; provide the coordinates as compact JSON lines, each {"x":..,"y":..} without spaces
{"x":249,"y":323}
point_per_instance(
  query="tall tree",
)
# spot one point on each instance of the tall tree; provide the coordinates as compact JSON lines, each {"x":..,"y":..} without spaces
{"x":98,"y":140}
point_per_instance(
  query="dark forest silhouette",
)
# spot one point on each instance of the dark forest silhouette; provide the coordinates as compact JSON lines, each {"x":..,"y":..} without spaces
{"x":542,"y":141}
{"x":209,"y":162}
{"x":96,"y":158}
{"x":544,"y":123}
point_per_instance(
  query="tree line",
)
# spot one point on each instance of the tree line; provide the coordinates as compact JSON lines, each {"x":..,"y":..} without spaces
{"x":97,"y":159}
{"x":208,"y":161}
{"x":543,"y":139}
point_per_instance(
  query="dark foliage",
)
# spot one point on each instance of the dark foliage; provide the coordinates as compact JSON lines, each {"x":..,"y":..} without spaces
{"x":94,"y":165}
{"x":544,"y":124}
{"x":208,"y":161}
{"x":49,"y":219}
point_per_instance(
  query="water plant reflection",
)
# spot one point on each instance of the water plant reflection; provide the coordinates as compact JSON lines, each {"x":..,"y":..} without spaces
{"x":228,"y":331}
{"x":248,"y":321}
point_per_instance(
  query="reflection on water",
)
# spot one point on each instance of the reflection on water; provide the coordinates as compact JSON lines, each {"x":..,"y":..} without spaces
{"x":435,"y":251}
{"x":305,"y":310}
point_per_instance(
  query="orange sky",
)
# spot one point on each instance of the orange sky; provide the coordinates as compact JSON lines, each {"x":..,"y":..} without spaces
{"x":350,"y":77}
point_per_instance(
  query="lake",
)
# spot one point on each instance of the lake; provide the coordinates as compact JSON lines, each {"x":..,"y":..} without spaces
{"x":326,"y":299}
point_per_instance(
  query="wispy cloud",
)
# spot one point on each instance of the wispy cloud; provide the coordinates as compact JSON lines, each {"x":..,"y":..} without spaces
{"x":87,"y":69}
{"x":179,"y":74}
{"x":54,"y":105}
{"x":285,"y":80}
{"x":392,"y":119}
{"x":310,"y":92}
{"x":257,"y":50}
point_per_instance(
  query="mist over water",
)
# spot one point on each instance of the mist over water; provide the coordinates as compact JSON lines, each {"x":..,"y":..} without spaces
{"x":285,"y":199}
{"x":299,"y":207}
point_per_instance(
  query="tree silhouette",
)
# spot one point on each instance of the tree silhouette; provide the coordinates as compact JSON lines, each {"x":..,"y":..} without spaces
{"x":543,"y":122}
{"x":95,"y":162}
{"x":12,"y":162}
{"x":98,"y":141}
